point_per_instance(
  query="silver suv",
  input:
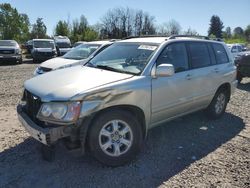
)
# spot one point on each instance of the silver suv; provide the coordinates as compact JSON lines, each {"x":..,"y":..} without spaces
{"x":109,"y":105}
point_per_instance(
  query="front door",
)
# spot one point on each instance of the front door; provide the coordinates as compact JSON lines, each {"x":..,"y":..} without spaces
{"x":172,"y":96}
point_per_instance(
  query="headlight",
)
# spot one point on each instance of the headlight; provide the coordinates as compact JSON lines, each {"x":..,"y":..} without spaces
{"x":18,"y":51}
{"x":60,"y":112}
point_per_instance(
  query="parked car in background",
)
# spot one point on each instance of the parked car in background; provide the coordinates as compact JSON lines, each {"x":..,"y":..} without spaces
{"x":10,"y":51}
{"x":109,"y":104}
{"x":235,"y":49}
{"x":43,"y":49}
{"x":76,"y":56}
{"x":29,"y":45}
{"x":242,"y":62}
{"x":244,"y":47}
{"x":63,"y":45}
{"x":78,"y":43}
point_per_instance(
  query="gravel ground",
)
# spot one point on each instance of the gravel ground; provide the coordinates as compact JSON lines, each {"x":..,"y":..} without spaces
{"x":188,"y":152}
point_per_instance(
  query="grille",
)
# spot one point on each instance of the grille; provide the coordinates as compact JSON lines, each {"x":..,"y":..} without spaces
{"x":11,"y":51}
{"x":33,"y":104}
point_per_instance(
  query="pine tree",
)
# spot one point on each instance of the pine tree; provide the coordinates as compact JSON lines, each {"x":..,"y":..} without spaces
{"x":216,"y":26}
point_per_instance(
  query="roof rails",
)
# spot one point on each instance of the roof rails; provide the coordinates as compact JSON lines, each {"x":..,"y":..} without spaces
{"x":175,"y":36}
{"x":196,"y":36}
{"x":143,"y":36}
{"x":189,"y":36}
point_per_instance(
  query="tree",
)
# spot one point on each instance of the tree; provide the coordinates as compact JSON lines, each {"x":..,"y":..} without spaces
{"x":247,"y":32}
{"x":238,"y":31}
{"x":123,"y":22}
{"x":90,"y":34}
{"x":62,"y":28}
{"x":191,"y":32}
{"x":228,"y":32}
{"x":170,"y":28}
{"x":216,"y":26}
{"x":78,"y":29}
{"x":13,"y":25}
{"x":39,"y":29}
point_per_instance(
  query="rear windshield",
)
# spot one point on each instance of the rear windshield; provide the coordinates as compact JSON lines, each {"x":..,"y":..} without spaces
{"x":44,"y":44}
{"x":7,"y":43}
{"x":82,"y":51}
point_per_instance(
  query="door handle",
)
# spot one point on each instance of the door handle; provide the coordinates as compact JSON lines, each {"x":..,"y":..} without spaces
{"x":188,"y":76}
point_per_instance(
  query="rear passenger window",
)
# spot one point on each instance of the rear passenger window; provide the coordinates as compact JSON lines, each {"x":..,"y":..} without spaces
{"x":220,"y":53}
{"x":199,"y":55}
{"x":176,"y":55}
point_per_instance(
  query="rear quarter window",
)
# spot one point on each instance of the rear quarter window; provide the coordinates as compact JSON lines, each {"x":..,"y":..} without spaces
{"x":220,"y":54}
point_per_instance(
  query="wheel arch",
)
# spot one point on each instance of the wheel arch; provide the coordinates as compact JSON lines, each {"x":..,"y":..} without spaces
{"x":134,"y":110}
{"x":225,"y":87}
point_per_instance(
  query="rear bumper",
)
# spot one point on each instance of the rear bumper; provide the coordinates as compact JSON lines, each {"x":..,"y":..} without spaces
{"x":46,"y":136}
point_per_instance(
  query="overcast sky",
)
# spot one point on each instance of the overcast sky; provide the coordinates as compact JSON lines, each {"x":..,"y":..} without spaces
{"x":189,"y":13}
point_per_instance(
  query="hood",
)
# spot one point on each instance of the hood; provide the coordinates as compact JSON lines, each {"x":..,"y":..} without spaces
{"x":63,"y":84}
{"x":57,"y":62}
{"x":44,"y":49}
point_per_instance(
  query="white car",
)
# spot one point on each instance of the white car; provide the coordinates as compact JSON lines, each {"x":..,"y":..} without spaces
{"x":74,"y":57}
{"x":235,"y":49}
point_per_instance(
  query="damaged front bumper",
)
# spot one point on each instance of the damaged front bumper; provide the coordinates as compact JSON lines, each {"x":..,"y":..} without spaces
{"x":48,"y":135}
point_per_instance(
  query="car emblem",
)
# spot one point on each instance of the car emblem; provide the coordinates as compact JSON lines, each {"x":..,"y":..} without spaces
{"x":35,"y":98}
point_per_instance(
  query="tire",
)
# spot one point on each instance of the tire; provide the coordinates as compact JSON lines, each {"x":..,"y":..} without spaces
{"x":218,"y":105}
{"x":115,"y":124}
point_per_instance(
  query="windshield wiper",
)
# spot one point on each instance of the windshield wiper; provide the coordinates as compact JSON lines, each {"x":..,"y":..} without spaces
{"x":105,"y":67}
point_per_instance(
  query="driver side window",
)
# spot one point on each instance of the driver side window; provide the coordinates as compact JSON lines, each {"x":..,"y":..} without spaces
{"x":176,"y":55}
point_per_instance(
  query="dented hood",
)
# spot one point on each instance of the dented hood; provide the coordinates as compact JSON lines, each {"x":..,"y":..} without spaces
{"x":61,"y":85}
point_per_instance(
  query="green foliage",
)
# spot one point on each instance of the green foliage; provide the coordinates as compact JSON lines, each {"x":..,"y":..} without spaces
{"x":90,"y":34}
{"x":216,"y":26}
{"x":12,"y":24}
{"x":235,"y":40}
{"x":39,"y":29}
{"x":247,"y":33}
{"x":62,"y":28}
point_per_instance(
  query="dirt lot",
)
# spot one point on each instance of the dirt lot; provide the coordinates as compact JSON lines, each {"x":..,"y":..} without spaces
{"x":188,"y":152}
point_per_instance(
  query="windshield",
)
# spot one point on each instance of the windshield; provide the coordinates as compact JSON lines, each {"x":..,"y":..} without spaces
{"x":7,"y":43}
{"x":44,"y":44}
{"x":82,"y":51}
{"x":63,"y":45}
{"x":124,"y":57}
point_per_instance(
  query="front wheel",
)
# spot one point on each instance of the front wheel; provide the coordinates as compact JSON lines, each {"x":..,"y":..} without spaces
{"x":115,"y":137}
{"x":218,"y":105}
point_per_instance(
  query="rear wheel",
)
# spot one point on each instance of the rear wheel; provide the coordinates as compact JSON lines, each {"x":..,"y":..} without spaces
{"x":115,"y":137}
{"x":218,"y":105}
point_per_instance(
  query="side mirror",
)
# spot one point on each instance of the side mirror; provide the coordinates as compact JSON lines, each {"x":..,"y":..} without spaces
{"x":164,"y":70}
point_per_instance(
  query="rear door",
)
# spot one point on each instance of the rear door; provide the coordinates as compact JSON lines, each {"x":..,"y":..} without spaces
{"x":203,"y":72}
